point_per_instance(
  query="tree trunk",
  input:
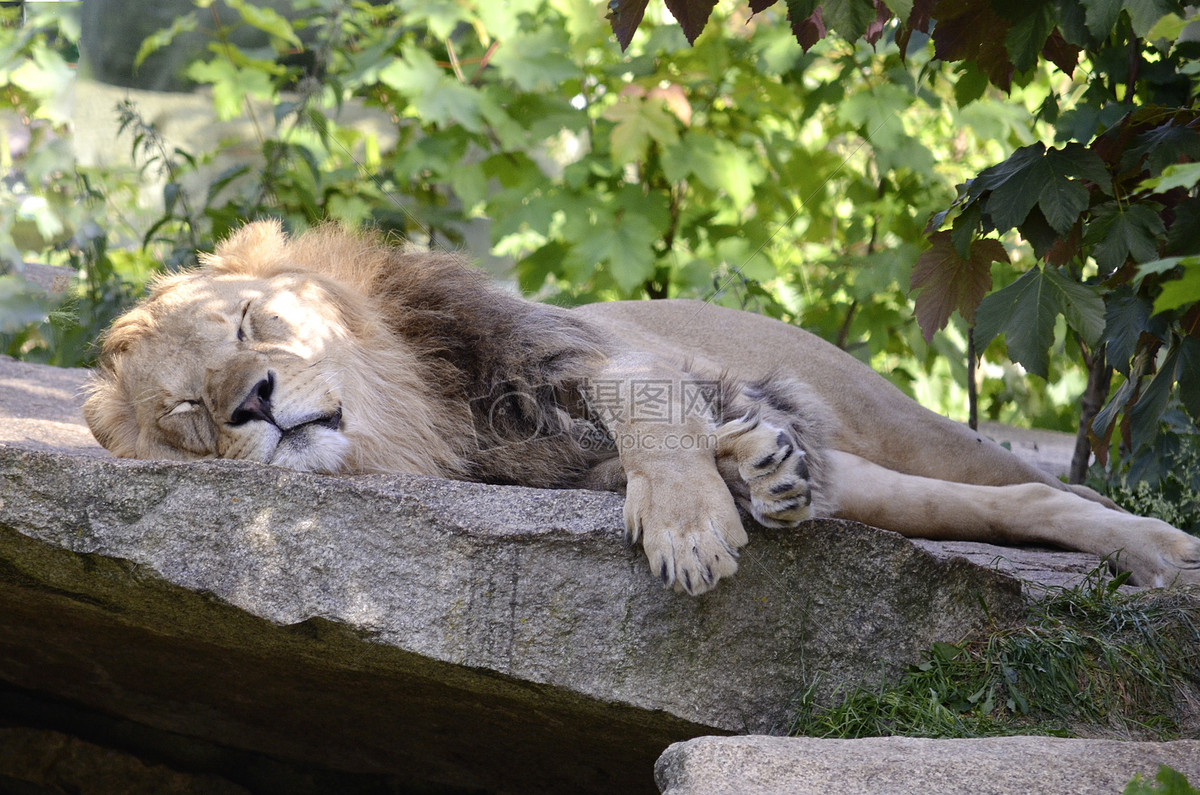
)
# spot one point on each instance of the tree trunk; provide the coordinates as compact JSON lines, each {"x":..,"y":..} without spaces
{"x":1099,"y":379}
{"x":972,"y":382}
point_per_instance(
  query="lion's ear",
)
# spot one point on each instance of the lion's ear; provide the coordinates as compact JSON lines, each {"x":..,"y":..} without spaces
{"x":109,"y":414}
{"x":257,"y":249}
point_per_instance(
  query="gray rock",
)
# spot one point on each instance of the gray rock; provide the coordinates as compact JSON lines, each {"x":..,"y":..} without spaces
{"x":902,"y":765}
{"x":485,"y":623}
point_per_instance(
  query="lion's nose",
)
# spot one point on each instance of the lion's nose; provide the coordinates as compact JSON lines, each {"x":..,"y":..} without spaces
{"x":257,"y":404}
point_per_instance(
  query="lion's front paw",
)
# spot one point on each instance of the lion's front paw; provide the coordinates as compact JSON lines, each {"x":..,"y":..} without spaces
{"x":690,"y":532}
{"x":774,"y":468}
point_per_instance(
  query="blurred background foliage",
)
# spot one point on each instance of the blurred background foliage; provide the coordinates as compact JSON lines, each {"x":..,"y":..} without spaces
{"x":816,"y":184}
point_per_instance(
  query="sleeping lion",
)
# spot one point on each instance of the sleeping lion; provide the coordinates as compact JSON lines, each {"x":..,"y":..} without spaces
{"x":334,"y":352}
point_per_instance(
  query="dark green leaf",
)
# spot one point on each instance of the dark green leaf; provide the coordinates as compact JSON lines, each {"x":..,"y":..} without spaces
{"x":1163,"y":146}
{"x":1038,"y":232}
{"x":1184,"y":235}
{"x":1144,"y":13}
{"x":1102,"y":16}
{"x":1147,"y":412}
{"x":1119,"y":233}
{"x":962,"y":232}
{"x":1126,"y":317}
{"x":1026,"y":319}
{"x":1072,"y":22}
{"x":1080,"y":304}
{"x":1025,"y":312}
{"x":1104,"y":418}
{"x":1028,"y":33}
{"x":1189,"y":376}
{"x":800,"y":10}
{"x":848,"y":18}
{"x":1062,"y":200}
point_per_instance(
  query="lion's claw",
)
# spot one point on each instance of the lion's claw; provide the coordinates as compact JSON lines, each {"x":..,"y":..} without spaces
{"x":690,"y":544}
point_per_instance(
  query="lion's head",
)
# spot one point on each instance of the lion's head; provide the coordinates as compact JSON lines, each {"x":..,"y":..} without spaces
{"x":271,"y":352}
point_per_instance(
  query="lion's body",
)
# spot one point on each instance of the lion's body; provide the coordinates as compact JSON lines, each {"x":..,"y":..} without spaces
{"x":335,"y":353}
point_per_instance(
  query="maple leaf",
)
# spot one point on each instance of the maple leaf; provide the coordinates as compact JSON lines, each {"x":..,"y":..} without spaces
{"x":625,"y":16}
{"x":970,"y":31}
{"x":1061,"y":53}
{"x":810,"y":30}
{"x":948,"y":282}
{"x":692,"y":15}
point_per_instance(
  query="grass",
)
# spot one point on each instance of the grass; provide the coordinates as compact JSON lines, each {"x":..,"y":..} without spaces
{"x":1091,"y":661}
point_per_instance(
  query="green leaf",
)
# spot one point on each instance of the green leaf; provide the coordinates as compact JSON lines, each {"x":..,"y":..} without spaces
{"x":436,"y":97}
{"x":163,"y":38}
{"x":1179,"y":175}
{"x":1182,"y":291}
{"x":1080,"y":304}
{"x":1126,"y":318}
{"x":537,"y":61}
{"x":1020,"y":312}
{"x":970,"y":85}
{"x":948,"y":282}
{"x":267,"y":20}
{"x":637,"y":124}
{"x":717,"y":163}
{"x":1028,"y":34}
{"x":848,"y":18}
{"x":230,"y":85}
{"x":624,"y":246}
{"x":1145,"y":14}
{"x":1119,"y":233}
{"x":1025,"y":313}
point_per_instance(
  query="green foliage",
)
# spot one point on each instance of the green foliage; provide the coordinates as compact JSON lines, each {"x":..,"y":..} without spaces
{"x":1164,"y":483}
{"x":1090,"y":660}
{"x":64,"y":214}
{"x":1170,"y":782}
{"x":1109,"y":211}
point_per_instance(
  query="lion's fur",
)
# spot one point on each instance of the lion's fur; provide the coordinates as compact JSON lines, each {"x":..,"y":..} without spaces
{"x":339,"y":352}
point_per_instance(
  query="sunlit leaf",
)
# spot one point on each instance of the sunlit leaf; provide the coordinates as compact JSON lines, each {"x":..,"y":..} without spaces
{"x":1182,"y":291}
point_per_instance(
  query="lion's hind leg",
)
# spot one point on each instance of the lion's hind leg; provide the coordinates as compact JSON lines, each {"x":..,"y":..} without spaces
{"x":1154,"y":552}
{"x":772,"y":453}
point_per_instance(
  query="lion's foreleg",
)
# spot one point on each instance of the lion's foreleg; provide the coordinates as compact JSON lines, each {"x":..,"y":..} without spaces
{"x":1028,"y":513}
{"x":676,"y":503}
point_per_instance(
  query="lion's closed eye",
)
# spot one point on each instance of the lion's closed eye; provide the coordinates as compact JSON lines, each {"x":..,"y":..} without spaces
{"x":243,"y":330}
{"x":183,"y":407}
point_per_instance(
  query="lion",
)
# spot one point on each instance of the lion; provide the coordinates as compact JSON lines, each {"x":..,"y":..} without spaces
{"x":337,"y":352}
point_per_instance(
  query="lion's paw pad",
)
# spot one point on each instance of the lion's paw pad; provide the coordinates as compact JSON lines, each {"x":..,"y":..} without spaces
{"x":774,"y":468}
